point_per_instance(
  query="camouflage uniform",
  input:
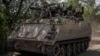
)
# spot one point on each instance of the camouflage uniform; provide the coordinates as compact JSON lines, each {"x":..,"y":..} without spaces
{"x":78,"y":13}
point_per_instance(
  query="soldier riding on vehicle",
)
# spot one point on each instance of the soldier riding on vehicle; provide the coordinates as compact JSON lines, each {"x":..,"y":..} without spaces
{"x":78,"y":13}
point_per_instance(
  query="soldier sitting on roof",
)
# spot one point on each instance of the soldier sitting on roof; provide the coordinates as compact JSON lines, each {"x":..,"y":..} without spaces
{"x":53,"y":11}
{"x":59,"y":9}
{"x":78,"y":13}
{"x":69,"y":10}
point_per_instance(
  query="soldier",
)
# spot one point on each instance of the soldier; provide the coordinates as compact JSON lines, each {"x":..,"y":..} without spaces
{"x":69,"y":10}
{"x":59,"y":9}
{"x":53,"y":11}
{"x":78,"y":13}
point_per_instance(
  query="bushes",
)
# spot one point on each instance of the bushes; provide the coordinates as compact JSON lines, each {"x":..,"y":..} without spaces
{"x":4,"y":31}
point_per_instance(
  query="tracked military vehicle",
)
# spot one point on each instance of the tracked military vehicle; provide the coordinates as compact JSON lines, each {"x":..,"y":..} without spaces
{"x":51,"y":37}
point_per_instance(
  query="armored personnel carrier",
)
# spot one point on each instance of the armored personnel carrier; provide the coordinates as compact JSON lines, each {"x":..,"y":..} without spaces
{"x":51,"y":37}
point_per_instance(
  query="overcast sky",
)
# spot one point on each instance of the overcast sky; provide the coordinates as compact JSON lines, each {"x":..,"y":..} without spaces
{"x":97,"y":1}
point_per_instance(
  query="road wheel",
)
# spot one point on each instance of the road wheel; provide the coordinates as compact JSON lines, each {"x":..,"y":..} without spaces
{"x":56,"y":50}
{"x":86,"y":44}
{"x":74,"y":46}
{"x":78,"y":48}
{"x":83,"y":46}
{"x":63,"y":51}
{"x":69,"y":50}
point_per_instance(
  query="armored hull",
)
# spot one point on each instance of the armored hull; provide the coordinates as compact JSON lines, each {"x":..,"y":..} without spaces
{"x":66,"y":38}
